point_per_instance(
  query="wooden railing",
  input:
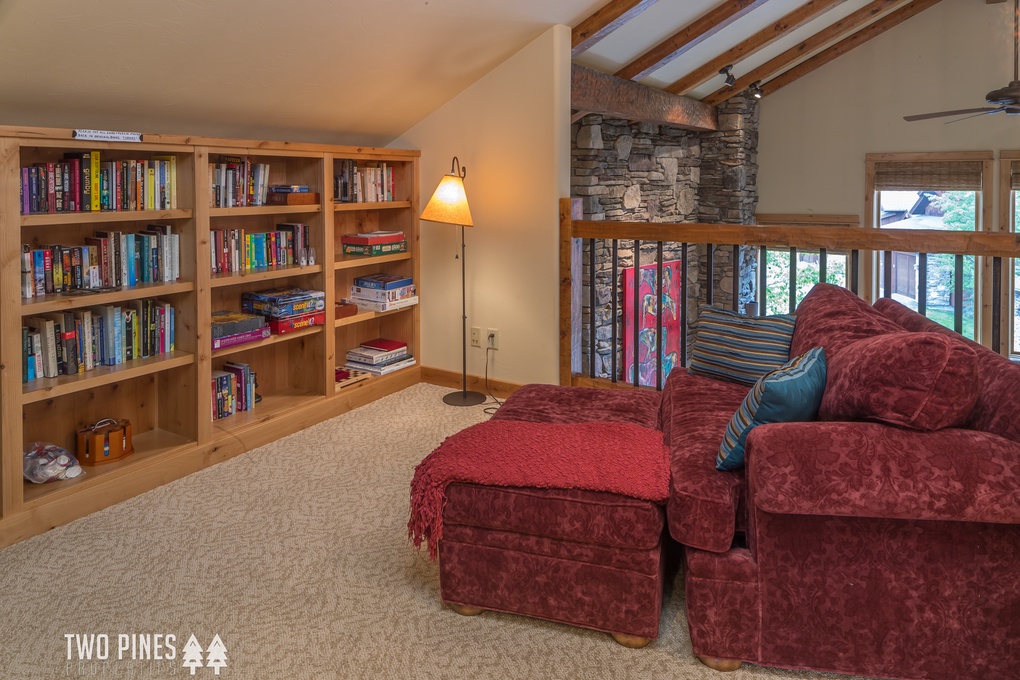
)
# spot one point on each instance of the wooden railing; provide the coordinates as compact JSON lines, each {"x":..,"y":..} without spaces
{"x":993,"y":273}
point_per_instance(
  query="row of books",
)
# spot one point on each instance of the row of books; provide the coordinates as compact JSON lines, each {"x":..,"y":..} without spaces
{"x":233,"y":390}
{"x":367,"y":182}
{"x":373,"y":243}
{"x":235,"y":250}
{"x":83,"y":182}
{"x":236,"y":181}
{"x":382,"y":292}
{"x":110,"y":259}
{"x":380,"y":356}
{"x":67,"y":343}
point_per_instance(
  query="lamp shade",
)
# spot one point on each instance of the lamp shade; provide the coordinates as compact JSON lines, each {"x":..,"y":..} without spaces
{"x":449,"y":203}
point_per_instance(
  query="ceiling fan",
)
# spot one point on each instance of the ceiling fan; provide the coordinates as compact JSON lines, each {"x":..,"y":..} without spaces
{"x":1005,"y":99}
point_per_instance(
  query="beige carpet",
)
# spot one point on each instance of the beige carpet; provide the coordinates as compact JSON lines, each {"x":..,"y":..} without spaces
{"x":296,"y":556}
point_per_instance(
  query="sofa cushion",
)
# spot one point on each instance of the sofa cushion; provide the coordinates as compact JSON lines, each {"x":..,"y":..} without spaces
{"x":703,"y":508}
{"x":924,"y":381}
{"x":730,"y":346}
{"x":997,"y":409}
{"x":833,"y":317}
{"x":789,"y":394}
{"x":561,"y":404}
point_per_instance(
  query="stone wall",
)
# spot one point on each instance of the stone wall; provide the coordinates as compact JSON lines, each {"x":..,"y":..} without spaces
{"x":658,"y":173}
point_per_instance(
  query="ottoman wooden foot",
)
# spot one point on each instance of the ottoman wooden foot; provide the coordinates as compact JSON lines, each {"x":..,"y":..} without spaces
{"x":717,"y":664}
{"x":465,"y":610}
{"x":632,"y":641}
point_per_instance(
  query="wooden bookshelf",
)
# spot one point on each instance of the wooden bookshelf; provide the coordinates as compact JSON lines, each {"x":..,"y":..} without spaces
{"x":168,"y":397}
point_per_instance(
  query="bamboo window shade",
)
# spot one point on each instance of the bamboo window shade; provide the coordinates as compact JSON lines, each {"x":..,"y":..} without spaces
{"x":934,"y":175}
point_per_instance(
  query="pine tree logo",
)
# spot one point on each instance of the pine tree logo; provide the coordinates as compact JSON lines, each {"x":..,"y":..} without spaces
{"x":216,"y":654}
{"x":193,"y":654}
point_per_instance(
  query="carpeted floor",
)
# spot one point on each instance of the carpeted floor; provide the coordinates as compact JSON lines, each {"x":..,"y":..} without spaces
{"x":296,"y":556}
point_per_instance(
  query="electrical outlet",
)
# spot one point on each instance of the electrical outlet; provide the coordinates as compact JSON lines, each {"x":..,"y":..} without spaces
{"x":476,"y":336}
{"x":493,"y":336}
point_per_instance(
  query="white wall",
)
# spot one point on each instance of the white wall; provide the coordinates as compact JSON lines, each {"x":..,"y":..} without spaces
{"x":510,"y":130}
{"x":815,"y":132}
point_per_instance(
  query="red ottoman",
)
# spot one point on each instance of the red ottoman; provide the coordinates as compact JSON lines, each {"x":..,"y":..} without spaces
{"x":585,"y":558}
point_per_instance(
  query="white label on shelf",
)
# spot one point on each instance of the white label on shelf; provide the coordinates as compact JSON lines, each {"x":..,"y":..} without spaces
{"x":108,"y":135}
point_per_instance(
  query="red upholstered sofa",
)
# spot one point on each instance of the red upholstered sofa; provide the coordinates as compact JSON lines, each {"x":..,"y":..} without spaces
{"x":857,"y":547}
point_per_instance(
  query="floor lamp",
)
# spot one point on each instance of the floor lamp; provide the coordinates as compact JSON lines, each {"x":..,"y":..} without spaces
{"x":449,"y":205}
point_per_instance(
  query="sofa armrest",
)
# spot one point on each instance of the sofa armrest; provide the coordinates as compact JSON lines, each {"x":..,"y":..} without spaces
{"x":872,"y":470}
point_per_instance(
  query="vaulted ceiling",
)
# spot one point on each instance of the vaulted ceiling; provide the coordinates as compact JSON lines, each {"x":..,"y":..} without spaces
{"x":364,"y":71}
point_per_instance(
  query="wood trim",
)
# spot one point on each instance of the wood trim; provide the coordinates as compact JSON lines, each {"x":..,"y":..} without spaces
{"x":833,"y":220}
{"x":776,"y":65}
{"x":847,"y":44}
{"x":611,"y":96}
{"x":604,"y":21}
{"x":929,"y":156}
{"x":986,"y":210}
{"x":750,"y":46}
{"x":10,"y":330}
{"x":1009,"y":155}
{"x":689,"y":36}
{"x":810,"y":237}
{"x":453,"y":379}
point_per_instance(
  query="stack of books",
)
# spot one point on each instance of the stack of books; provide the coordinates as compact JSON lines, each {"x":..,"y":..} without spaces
{"x":287,"y":309}
{"x":233,"y":390}
{"x":379,"y":357}
{"x":230,"y":329}
{"x":382,"y":292}
{"x":371,"y":243}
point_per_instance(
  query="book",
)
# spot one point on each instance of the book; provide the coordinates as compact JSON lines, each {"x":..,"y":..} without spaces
{"x":383,"y":281}
{"x":296,"y":323}
{"x":372,"y":306}
{"x":390,"y":295}
{"x":369,"y":238}
{"x":378,"y":249}
{"x":225,"y":323}
{"x":384,"y":344}
{"x":381,"y":370}
{"x":241,"y":338}
{"x":48,"y":344}
{"x":288,"y":188}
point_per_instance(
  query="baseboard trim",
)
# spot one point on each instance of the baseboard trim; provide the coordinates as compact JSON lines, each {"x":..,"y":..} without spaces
{"x":437,"y":376}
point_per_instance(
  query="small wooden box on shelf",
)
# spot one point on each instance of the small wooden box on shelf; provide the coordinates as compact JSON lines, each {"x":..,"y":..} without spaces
{"x":166,"y":395}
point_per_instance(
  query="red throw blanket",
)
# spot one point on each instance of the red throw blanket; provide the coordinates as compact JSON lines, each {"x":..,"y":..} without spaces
{"x":621,"y":458}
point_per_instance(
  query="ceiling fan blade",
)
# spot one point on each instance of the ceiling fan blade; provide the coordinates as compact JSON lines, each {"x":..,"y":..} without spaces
{"x":983,"y":113}
{"x":941,"y":114}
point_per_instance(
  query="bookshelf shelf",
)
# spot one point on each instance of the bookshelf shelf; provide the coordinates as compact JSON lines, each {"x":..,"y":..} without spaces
{"x":255,"y":275}
{"x":378,"y":381}
{"x":149,"y":446}
{"x":61,"y":302}
{"x":271,"y":340}
{"x":169,"y":398}
{"x":372,"y":261}
{"x":104,"y":217}
{"x":48,"y":388}
{"x":265,"y":210}
{"x":384,"y":205}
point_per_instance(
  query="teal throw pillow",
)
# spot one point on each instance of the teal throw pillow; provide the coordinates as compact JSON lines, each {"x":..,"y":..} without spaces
{"x":738,"y":348}
{"x":791,"y":394}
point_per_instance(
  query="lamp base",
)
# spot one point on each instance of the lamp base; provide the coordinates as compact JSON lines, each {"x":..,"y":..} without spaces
{"x":461,"y":398}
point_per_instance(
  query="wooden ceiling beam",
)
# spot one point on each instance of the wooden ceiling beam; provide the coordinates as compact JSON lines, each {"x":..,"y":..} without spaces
{"x":604,"y":21}
{"x":862,"y":36}
{"x":846,"y":25}
{"x":759,"y":40}
{"x":608,"y":95}
{"x":693,"y":34}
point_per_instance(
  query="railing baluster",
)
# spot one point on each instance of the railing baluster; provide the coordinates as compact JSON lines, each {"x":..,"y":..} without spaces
{"x":710,"y":275}
{"x":615,"y":309}
{"x":855,"y":265}
{"x":763,"y":280}
{"x":922,"y":283}
{"x":659,"y":344}
{"x":887,"y":274}
{"x":683,"y":306}
{"x":592,"y":316}
{"x":996,"y":304}
{"x":958,"y":293}
{"x":793,"y":280}
{"x":823,"y":273}
{"x":736,"y":279}
{"x":637,"y":311}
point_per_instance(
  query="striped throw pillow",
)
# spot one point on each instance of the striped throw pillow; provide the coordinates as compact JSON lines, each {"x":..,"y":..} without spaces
{"x":791,"y":394}
{"x":730,"y":346}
